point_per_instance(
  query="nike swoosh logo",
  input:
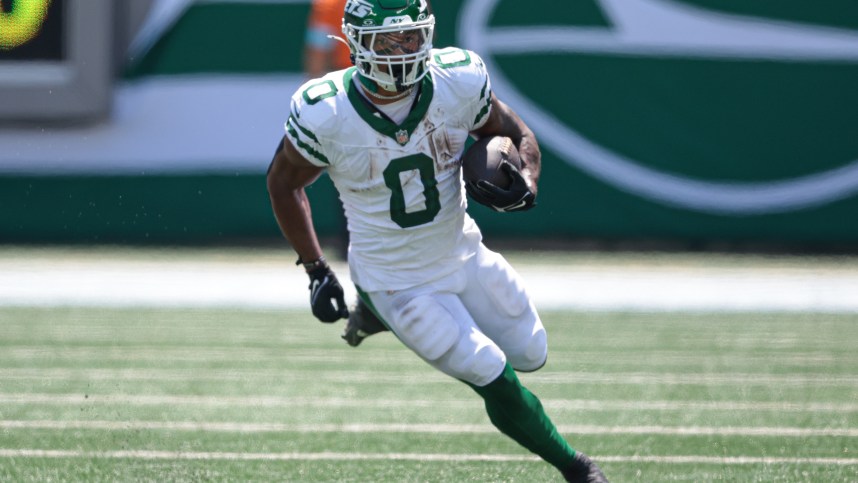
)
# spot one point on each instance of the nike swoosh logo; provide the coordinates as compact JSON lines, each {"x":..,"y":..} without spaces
{"x":514,"y":207}
{"x":314,"y":290}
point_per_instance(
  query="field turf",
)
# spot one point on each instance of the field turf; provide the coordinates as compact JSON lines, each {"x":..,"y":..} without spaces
{"x":98,"y":394}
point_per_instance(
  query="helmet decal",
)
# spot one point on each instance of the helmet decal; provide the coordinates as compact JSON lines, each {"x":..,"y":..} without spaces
{"x":358,"y":8}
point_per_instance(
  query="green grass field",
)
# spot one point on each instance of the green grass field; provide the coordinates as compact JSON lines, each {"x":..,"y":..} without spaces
{"x":94,"y":394}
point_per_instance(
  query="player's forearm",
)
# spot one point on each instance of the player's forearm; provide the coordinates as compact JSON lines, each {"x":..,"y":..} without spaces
{"x":293,"y":214}
{"x":503,"y":121}
{"x":528,"y":149}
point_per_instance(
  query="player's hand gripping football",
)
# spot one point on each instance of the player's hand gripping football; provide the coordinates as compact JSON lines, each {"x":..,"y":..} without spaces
{"x":517,"y":197}
{"x":326,"y":294}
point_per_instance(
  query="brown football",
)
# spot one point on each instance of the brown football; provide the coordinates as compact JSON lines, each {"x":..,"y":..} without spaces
{"x":482,"y":160}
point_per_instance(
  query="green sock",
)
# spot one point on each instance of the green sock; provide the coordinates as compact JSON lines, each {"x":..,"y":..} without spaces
{"x":517,"y":413}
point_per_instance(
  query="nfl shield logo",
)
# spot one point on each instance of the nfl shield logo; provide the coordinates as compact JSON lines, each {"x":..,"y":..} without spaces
{"x":402,"y":136}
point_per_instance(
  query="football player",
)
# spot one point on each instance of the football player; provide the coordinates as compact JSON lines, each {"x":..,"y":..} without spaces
{"x":390,"y":132}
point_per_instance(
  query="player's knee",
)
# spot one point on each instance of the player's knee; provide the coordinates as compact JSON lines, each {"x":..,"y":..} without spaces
{"x":505,"y":288}
{"x":534,"y":355}
{"x":480,"y":366}
{"x":427,"y":327}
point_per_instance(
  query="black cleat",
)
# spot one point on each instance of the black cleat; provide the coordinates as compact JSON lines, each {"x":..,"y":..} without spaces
{"x":583,"y":470}
{"x":362,"y":323}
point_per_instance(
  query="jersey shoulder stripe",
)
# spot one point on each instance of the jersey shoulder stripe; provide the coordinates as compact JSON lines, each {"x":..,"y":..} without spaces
{"x":302,"y":137}
{"x":293,"y":120}
{"x":486,"y":100}
{"x":303,"y":146}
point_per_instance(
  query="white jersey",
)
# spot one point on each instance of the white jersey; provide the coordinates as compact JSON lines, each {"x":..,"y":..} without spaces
{"x":401,"y":185}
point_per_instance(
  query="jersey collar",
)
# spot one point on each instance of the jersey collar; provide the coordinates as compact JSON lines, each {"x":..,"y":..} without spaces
{"x":401,"y":133}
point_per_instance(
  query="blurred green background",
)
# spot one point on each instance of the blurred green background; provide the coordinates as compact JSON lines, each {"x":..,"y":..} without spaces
{"x":655,"y":126}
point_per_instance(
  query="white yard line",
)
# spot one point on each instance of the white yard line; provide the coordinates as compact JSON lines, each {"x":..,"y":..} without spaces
{"x":398,"y":357}
{"x":420,"y":428}
{"x":158,"y":282}
{"x":277,"y":402}
{"x":810,"y":380}
{"x":332,"y":456}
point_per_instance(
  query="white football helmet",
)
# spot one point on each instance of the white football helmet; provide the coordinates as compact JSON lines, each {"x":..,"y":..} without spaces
{"x":389,"y":40}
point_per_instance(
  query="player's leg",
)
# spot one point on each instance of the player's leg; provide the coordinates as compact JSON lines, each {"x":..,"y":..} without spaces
{"x":518,"y":413}
{"x":362,"y":323}
{"x":496,"y":298}
{"x":438,"y":327}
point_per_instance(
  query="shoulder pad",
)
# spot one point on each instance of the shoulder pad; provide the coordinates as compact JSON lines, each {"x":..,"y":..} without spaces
{"x":315,"y":102}
{"x":463,"y":75}
{"x":465,"y":68}
{"x":313,"y":115}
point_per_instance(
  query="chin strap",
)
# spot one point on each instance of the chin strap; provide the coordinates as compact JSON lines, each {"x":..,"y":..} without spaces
{"x":373,"y":86}
{"x":368,"y":84}
{"x":371,"y":89}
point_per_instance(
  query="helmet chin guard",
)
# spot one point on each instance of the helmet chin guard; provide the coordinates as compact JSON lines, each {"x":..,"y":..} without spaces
{"x":389,"y":40}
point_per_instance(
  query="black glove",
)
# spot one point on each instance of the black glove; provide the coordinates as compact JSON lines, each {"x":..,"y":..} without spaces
{"x":517,"y":197}
{"x":325,"y":292}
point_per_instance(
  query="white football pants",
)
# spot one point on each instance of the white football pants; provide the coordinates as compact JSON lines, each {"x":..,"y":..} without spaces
{"x":469,"y":324}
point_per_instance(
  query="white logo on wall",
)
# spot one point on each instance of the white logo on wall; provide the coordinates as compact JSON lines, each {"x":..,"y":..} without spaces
{"x":659,"y":28}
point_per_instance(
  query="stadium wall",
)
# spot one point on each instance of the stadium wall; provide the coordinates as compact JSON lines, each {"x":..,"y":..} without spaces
{"x":687,"y":121}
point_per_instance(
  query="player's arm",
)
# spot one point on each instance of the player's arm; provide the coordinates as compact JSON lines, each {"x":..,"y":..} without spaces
{"x":503,"y":121}
{"x":288,"y":175}
{"x":521,"y":193}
